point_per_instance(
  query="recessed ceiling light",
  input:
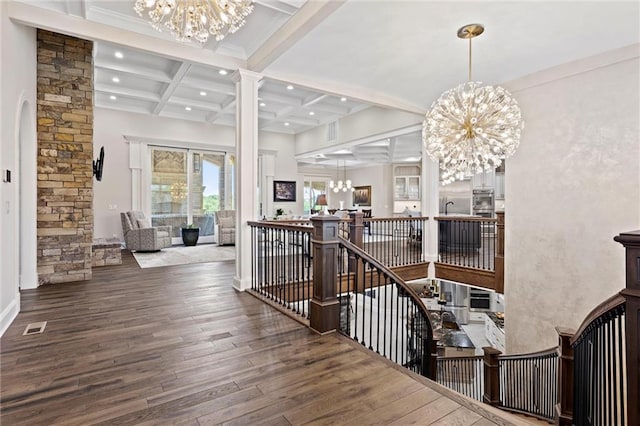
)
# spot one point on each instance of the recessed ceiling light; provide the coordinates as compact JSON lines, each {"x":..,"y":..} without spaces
{"x":289,"y":87}
{"x":203,"y":93}
{"x":118,"y":55}
{"x":187,"y":108}
{"x":115,"y":80}
{"x":343,"y":99}
{"x":286,"y":124}
{"x":113,"y":97}
{"x":312,"y":113}
{"x":223,"y":72}
{"x":262,"y":104}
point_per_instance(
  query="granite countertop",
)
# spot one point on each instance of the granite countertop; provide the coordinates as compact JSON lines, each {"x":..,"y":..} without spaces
{"x":497,"y":321}
{"x":450,"y":335}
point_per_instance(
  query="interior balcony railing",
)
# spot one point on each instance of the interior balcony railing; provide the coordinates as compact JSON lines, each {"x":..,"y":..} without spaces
{"x":379,"y":311}
{"x":471,"y":250}
{"x":592,"y":377}
{"x":282,"y":266}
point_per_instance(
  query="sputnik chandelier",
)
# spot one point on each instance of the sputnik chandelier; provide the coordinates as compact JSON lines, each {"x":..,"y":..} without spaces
{"x":196,"y":19}
{"x":471,"y":127}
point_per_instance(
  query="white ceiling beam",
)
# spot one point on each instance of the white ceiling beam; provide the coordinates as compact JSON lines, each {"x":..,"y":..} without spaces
{"x":357,"y":94}
{"x":205,"y":106}
{"x":126,"y":92}
{"x":278,"y":6}
{"x":211,"y":86}
{"x":38,"y":17}
{"x":313,"y":99}
{"x":224,"y":108}
{"x":77,"y":8}
{"x":135,"y":70}
{"x":120,"y":107}
{"x":299,"y":25}
{"x":171,"y":88}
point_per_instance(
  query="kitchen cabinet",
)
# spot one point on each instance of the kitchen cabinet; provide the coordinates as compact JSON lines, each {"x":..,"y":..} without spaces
{"x":407,"y":188}
{"x":499,"y":188}
{"x":484,"y":180}
{"x":494,"y":334}
{"x":406,"y":183}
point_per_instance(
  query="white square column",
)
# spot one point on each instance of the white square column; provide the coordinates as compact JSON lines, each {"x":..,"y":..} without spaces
{"x":247,"y":85}
{"x":431,"y":208}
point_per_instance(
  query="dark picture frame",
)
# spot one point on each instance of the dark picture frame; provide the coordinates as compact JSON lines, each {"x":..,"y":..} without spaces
{"x":362,"y":195}
{"x":284,"y":191}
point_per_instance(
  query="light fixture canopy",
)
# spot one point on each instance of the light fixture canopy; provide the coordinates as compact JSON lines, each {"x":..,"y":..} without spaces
{"x":472,"y":127}
{"x":196,"y":19}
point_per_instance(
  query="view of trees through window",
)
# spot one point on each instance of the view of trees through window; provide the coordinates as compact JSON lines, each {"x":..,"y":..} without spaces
{"x":312,"y":188}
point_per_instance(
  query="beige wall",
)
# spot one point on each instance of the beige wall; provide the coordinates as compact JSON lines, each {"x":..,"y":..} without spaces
{"x":572,"y":185}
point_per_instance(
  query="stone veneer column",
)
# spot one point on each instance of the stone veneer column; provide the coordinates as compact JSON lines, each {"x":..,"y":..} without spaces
{"x":65,"y":154}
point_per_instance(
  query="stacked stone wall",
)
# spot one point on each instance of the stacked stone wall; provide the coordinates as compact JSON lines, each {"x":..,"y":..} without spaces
{"x":65,"y":155}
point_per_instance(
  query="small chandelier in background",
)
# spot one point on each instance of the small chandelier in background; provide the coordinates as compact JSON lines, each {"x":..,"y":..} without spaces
{"x":341,"y":186}
{"x":472,"y":127}
{"x":196,"y":19}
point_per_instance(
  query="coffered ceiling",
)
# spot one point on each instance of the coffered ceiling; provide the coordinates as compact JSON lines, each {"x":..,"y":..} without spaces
{"x":338,"y":57}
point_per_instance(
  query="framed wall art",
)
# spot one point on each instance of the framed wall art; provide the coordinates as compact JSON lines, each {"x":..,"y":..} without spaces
{"x":362,"y":195}
{"x":284,"y":190}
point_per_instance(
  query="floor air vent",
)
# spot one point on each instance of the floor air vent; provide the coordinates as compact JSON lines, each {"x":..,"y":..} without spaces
{"x":35,"y":328}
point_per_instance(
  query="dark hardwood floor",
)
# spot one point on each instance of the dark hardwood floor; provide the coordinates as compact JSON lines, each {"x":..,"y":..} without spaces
{"x":178,"y":345}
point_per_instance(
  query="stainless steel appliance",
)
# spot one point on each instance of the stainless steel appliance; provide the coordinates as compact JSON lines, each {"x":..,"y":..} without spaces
{"x":457,"y":297}
{"x":483,"y":202}
{"x":479,"y":300}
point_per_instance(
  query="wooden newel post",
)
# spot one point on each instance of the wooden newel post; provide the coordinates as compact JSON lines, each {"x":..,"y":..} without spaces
{"x":491,"y":376}
{"x":430,"y":359}
{"x":499,"y":255}
{"x":324,"y":311}
{"x":631,"y":293}
{"x":564,"y":406}
{"x":356,"y":228}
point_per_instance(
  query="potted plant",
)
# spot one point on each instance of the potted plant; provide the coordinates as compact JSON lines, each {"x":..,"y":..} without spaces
{"x":190,"y":234}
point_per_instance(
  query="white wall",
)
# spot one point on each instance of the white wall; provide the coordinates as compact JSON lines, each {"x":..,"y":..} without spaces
{"x":369,"y":122}
{"x":18,"y":85}
{"x":111,"y":126}
{"x":285,"y":168}
{"x":572,"y":185}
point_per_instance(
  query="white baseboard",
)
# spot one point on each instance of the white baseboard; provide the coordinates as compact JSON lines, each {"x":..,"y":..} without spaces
{"x":9,"y":314}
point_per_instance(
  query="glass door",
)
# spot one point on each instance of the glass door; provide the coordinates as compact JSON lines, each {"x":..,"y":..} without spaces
{"x":187,"y":187}
{"x":169,"y":189}
{"x":207,"y":192}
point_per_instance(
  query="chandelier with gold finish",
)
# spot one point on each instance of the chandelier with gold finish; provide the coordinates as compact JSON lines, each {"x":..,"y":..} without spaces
{"x":471,"y":128}
{"x":196,"y":19}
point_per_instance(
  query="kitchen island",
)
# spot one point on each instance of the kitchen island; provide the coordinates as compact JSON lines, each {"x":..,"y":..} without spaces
{"x":452,"y":340}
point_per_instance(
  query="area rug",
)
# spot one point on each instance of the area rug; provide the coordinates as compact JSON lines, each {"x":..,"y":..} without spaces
{"x":181,"y":255}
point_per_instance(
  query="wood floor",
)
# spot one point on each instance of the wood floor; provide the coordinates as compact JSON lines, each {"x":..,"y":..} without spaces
{"x":178,"y":345}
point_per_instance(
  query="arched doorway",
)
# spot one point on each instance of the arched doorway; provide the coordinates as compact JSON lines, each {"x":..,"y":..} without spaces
{"x":28,"y":195}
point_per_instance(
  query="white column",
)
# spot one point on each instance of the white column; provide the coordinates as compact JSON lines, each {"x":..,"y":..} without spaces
{"x":135,"y":164}
{"x":268,"y":173}
{"x":247,"y":85}
{"x":431,"y":207}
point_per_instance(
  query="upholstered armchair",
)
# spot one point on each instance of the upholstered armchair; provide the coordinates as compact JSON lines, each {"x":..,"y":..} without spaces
{"x":226,"y":220}
{"x":139,"y":235}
